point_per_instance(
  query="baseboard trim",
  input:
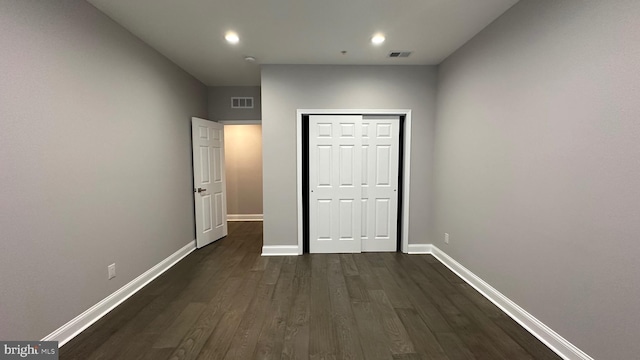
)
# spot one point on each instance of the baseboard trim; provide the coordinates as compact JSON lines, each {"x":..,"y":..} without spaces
{"x":550,"y":338}
{"x":280,"y":250}
{"x":241,"y":122}
{"x":419,"y":249}
{"x":244,"y":217}
{"x":74,"y":327}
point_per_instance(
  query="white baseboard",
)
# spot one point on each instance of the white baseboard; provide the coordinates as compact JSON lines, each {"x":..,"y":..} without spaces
{"x":241,"y":122}
{"x":419,"y":249}
{"x":244,"y":217}
{"x":552,"y":339}
{"x":74,"y":327}
{"x":280,"y":250}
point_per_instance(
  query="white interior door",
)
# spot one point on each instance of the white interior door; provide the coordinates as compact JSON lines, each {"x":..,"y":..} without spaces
{"x":353,"y":183}
{"x":380,"y":156}
{"x":335,"y":144}
{"x":209,"y":181}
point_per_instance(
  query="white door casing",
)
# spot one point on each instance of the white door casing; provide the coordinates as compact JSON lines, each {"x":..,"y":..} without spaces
{"x":335,"y":143}
{"x":380,"y":157}
{"x":341,"y":182}
{"x":209,"y":183}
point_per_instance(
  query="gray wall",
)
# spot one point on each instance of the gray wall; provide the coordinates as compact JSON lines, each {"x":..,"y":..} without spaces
{"x":95,"y":161}
{"x":243,"y":168}
{"x":537,"y":166}
{"x":220,"y":103}
{"x":286,"y":88}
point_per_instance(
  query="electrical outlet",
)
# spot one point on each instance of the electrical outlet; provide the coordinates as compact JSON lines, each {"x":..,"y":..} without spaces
{"x":446,"y":238}
{"x":112,"y":270}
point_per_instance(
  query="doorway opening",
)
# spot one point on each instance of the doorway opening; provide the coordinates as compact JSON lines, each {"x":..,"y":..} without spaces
{"x":243,"y":160}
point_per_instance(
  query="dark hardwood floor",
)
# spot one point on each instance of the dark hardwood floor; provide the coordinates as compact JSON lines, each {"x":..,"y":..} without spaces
{"x":225,"y":301}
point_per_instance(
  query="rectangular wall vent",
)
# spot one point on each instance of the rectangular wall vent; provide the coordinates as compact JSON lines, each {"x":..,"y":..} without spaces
{"x":399,"y":54}
{"x":242,"y":103}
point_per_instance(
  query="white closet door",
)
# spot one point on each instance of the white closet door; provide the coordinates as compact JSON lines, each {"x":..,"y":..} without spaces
{"x":380,"y":157}
{"x":335,"y":143}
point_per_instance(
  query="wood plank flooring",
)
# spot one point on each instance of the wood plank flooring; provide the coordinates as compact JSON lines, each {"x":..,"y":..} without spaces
{"x":225,"y":301}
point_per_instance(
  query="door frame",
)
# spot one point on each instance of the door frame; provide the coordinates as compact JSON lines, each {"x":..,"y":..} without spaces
{"x":406,"y":167}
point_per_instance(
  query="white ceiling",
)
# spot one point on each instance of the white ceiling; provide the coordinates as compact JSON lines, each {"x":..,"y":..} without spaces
{"x":191,"y":32}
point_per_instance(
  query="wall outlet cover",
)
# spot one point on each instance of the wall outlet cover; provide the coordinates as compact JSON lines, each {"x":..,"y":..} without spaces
{"x":112,"y":271}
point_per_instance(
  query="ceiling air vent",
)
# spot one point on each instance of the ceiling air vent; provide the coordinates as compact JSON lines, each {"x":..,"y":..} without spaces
{"x":399,"y":54}
{"x":242,"y":103}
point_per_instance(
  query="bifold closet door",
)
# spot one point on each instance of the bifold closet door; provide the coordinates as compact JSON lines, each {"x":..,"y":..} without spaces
{"x":335,"y":201}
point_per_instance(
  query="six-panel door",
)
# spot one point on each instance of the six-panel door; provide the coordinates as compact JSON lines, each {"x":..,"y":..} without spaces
{"x":380,"y":146}
{"x":209,"y":181}
{"x":353,"y":181}
{"x":335,"y":182}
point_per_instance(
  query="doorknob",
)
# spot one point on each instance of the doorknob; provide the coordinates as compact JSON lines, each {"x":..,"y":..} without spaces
{"x":201,"y":190}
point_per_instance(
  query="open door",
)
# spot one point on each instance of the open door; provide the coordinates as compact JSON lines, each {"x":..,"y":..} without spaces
{"x":209,"y":185}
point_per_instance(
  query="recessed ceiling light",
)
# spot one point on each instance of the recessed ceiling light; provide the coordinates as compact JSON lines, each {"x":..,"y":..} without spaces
{"x":377,"y":39}
{"x":231,"y":37}
{"x":250,"y":58}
